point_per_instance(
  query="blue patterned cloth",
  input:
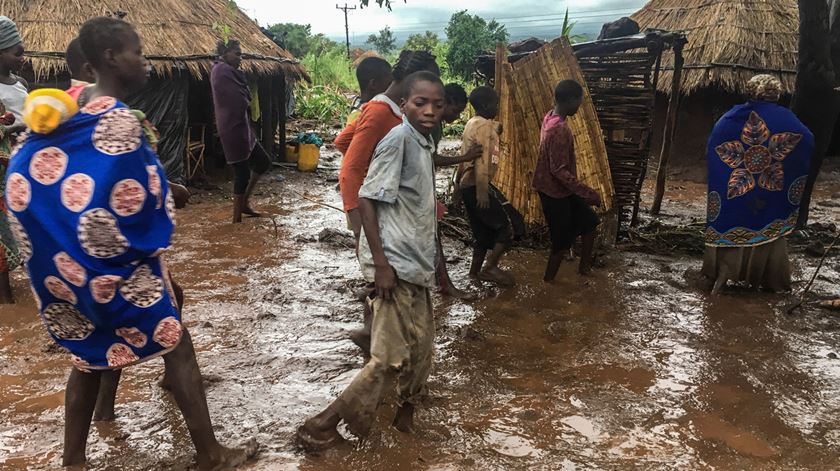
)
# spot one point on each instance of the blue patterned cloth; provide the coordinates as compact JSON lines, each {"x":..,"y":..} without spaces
{"x":91,"y":211}
{"x":758,"y":156}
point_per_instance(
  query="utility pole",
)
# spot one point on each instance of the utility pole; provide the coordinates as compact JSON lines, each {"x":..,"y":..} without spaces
{"x":346,"y":26}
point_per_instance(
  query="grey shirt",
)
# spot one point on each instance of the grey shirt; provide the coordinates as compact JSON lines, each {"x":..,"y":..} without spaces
{"x":401,"y":179}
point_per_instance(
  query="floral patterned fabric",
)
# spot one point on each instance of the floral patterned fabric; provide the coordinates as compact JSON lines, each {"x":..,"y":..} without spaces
{"x":92,"y":213}
{"x":758,"y":156}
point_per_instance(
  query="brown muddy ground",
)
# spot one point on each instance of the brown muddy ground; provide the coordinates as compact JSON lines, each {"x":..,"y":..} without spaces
{"x":635,"y":368}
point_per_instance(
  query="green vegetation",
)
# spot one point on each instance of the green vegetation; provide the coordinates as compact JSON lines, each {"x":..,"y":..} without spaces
{"x":469,"y":36}
{"x":384,"y":42}
{"x":334,"y":78}
{"x":422,"y":42}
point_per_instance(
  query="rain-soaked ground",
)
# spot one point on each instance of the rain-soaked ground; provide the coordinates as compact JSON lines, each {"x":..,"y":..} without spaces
{"x":634,"y":368}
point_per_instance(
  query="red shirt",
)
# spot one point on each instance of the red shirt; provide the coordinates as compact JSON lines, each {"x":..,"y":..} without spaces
{"x":375,"y":122}
{"x":556,"y":172}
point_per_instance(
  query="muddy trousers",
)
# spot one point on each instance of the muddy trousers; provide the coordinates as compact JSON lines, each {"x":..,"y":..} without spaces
{"x":401,"y":352}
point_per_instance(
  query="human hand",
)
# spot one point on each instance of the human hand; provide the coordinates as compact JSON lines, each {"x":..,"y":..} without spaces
{"x":385,"y":279}
{"x":483,"y":201}
{"x":474,"y":153}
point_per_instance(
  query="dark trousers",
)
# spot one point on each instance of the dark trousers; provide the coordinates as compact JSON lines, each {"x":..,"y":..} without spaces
{"x":567,"y":218}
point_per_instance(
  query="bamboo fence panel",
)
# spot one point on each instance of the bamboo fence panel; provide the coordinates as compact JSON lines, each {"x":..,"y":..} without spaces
{"x":527,"y":94}
{"x":624,"y":96}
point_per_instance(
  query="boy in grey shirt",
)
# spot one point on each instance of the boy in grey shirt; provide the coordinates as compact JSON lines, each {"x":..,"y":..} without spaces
{"x":397,"y":252}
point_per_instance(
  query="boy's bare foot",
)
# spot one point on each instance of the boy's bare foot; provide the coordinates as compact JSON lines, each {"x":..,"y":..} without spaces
{"x":229,"y":458}
{"x":250,"y":212}
{"x":314,"y":435}
{"x":496,"y":275}
{"x":361,"y":337}
{"x":404,"y":420}
{"x":104,"y":415}
{"x":458,"y":293}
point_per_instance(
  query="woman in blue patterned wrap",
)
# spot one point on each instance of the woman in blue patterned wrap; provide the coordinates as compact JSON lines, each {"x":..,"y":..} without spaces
{"x":92,"y":213}
{"x":758,"y":158}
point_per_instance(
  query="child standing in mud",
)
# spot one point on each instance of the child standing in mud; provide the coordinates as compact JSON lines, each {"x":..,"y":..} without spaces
{"x":90,"y":206}
{"x":397,"y":205}
{"x":488,"y":219}
{"x":566,"y":201}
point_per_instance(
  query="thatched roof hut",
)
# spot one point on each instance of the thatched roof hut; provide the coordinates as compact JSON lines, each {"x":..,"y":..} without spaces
{"x":728,"y":41}
{"x":175,"y":33}
{"x":179,"y":40}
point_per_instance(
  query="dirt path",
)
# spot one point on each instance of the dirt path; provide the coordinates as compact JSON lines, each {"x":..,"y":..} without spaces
{"x":635,"y":368}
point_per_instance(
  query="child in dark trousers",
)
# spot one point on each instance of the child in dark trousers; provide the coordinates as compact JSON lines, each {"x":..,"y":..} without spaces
{"x":483,"y":202}
{"x":567,"y":203}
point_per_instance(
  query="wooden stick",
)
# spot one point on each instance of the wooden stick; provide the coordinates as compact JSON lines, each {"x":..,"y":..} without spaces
{"x":315,"y":201}
{"x":670,"y":128}
{"x":813,"y":277}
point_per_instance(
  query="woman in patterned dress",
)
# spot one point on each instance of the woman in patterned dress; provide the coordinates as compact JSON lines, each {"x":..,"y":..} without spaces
{"x":758,"y":158}
{"x":92,"y":214}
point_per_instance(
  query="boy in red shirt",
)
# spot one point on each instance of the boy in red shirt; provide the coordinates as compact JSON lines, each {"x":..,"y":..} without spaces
{"x":567,"y":203}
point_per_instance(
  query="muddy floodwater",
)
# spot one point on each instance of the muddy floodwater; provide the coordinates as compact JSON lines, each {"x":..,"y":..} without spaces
{"x":634,"y":368}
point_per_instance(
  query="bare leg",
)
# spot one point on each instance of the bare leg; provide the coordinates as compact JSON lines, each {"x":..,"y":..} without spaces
{"x":79,"y":402}
{"x":362,"y":337}
{"x":491,"y":271}
{"x":477,"y":261}
{"x":189,"y":394}
{"x":252,"y":183}
{"x":588,"y":243}
{"x":6,"y":296}
{"x":446,"y":286}
{"x":404,"y":420}
{"x":107,"y":396}
{"x":238,"y":207}
{"x":554,"y":262}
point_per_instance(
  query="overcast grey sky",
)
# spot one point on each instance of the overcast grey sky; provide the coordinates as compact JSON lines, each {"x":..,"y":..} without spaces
{"x":522,"y":17}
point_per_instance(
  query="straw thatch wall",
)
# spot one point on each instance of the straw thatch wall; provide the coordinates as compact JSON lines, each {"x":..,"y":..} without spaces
{"x":175,"y":33}
{"x":527,"y":94}
{"x":729,"y":41}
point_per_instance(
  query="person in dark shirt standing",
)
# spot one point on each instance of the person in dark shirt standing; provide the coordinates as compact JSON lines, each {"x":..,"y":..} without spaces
{"x":566,"y":201}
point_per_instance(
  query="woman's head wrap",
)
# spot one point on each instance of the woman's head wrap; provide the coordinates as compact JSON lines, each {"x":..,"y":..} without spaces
{"x":764,"y":88}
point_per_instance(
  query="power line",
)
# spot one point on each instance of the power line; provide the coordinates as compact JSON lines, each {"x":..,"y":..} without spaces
{"x":510,"y":25}
{"x":580,"y":14}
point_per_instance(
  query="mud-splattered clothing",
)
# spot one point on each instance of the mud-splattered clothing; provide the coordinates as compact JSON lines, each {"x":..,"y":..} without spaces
{"x":91,"y":211}
{"x":402,"y":183}
{"x":401,"y":350}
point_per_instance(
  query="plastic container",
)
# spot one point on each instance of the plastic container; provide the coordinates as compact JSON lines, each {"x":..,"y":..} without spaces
{"x":291,"y":153}
{"x":308,"y":157}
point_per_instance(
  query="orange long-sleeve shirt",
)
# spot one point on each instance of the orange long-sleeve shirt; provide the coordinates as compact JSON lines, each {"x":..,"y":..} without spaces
{"x":376,"y":121}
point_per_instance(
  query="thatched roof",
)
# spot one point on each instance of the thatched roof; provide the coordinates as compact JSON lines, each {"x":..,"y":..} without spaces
{"x":729,"y":41}
{"x":175,"y":33}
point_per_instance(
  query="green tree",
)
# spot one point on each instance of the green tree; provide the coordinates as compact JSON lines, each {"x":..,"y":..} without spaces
{"x":470,"y":36}
{"x":422,"y":42}
{"x":295,"y":38}
{"x":384,"y":42}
